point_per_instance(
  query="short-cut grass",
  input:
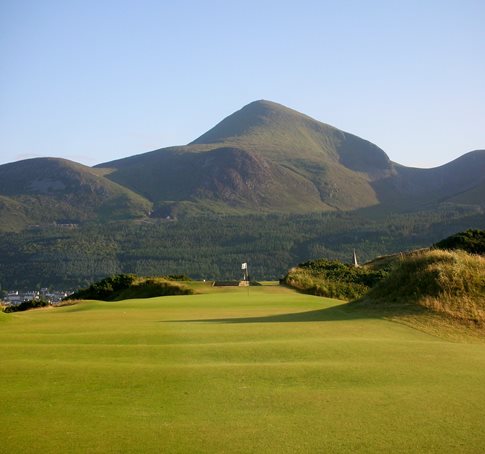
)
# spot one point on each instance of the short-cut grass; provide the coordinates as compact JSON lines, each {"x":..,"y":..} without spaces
{"x":268,"y":370}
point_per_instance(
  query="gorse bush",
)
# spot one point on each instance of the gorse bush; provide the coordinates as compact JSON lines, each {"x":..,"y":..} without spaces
{"x":26,"y":305}
{"x":472,"y":241}
{"x":333,"y":279}
{"x":126,"y":286}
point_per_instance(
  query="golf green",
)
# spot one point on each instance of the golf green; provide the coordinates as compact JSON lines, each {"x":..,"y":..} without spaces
{"x":232,"y":370}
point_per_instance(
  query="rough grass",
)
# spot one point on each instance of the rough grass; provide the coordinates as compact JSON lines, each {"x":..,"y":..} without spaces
{"x":228,"y":371}
{"x":444,"y":283}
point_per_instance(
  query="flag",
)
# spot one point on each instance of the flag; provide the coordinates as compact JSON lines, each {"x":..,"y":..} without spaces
{"x":244,"y":266}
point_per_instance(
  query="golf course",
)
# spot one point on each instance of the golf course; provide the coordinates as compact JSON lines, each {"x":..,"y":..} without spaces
{"x":234,"y":370}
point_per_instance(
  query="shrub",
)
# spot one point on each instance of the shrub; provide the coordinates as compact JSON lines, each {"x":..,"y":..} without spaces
{"x":472,"y":241}
{"x":126,"y":286}
{"x":333,"y":279}
{"x":26,"y":305}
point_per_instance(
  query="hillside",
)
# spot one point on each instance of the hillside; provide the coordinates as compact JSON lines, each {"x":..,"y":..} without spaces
{"x":221,"y":179}
{"x":269,"y":158}
{"x":264,"y":158}
{"x":47,"y":190}
{"x":459,"y":181}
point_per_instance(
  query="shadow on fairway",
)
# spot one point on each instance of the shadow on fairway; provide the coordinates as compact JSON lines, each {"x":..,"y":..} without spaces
{"x":330,"y":314}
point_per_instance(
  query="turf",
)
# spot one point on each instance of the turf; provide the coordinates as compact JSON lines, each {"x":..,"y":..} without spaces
{"x":227,"y":371}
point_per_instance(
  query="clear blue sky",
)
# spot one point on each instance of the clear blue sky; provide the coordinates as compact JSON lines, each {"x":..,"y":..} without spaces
{"x":98,"y":80}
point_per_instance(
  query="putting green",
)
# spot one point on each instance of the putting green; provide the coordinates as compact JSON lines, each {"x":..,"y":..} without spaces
{"x":227,"y":371}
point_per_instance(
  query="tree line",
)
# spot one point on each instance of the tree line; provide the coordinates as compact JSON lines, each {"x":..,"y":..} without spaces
{"x":213,"y":247}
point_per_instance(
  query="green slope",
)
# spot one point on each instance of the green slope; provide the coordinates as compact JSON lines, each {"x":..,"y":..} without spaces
{"x":267,"y":157}
{"x":46,"y":190}
{"x":222,"y":178}
{"x":287,"y":135}
{"x":227,"y":372}
{"x":264,"y":157}
{"x":13,"y":215}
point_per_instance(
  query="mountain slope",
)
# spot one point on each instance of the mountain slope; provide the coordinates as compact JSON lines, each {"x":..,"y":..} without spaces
{"x":230,"y":176}
{"x":267,"y":157}
{"x":264,"y":157}
{"x":459,"y":181}
{"x":285,"y":134}
{"x":45,"y":190}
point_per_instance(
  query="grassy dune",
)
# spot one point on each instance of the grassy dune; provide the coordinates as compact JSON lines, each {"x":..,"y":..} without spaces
{"x":434,"y":290}
{"x":439,"y":291}
{"x":226,"y":371}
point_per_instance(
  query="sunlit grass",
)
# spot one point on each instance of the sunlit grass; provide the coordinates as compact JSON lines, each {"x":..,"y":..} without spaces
{"x":230,"y":371}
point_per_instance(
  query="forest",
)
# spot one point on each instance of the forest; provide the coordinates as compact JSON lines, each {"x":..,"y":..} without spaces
{"x":213,"y":247}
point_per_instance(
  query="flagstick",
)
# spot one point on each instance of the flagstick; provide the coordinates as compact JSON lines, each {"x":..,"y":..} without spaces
{"x":247,"y":274}
{"x":246,"y":278}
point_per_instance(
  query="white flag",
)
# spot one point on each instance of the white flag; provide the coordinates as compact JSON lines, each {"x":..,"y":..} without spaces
{"x":244,"y":266}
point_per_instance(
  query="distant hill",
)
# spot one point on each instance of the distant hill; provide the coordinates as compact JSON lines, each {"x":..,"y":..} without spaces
{"x":46,"y":190}
{"x":459,"y":181}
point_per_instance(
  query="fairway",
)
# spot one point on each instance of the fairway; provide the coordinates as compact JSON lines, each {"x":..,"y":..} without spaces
{"x":233,"y":371}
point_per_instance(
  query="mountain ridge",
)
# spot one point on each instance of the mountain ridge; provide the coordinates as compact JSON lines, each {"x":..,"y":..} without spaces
{"x":262,"y":158}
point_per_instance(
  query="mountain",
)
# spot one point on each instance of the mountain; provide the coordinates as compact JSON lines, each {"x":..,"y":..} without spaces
{"x":264,"y":158}
{"x":267,"y":157}
{"x":47,"y":190}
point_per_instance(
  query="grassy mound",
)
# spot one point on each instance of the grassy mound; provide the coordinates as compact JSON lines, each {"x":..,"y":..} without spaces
{"x":472,"y":241}
{"x":129,"y":286}
{"x":334,"y":279}
{"x":446,"y":283}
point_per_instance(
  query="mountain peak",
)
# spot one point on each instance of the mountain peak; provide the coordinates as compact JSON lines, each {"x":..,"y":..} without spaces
{"x":252,"y":116}
{"x":268,"y":106}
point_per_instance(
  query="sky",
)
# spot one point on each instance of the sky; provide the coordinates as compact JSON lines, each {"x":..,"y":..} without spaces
{"x":94,"y":81}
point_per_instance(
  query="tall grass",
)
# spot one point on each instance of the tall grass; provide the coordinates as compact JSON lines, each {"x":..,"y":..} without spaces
{"x":451,"y":283}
